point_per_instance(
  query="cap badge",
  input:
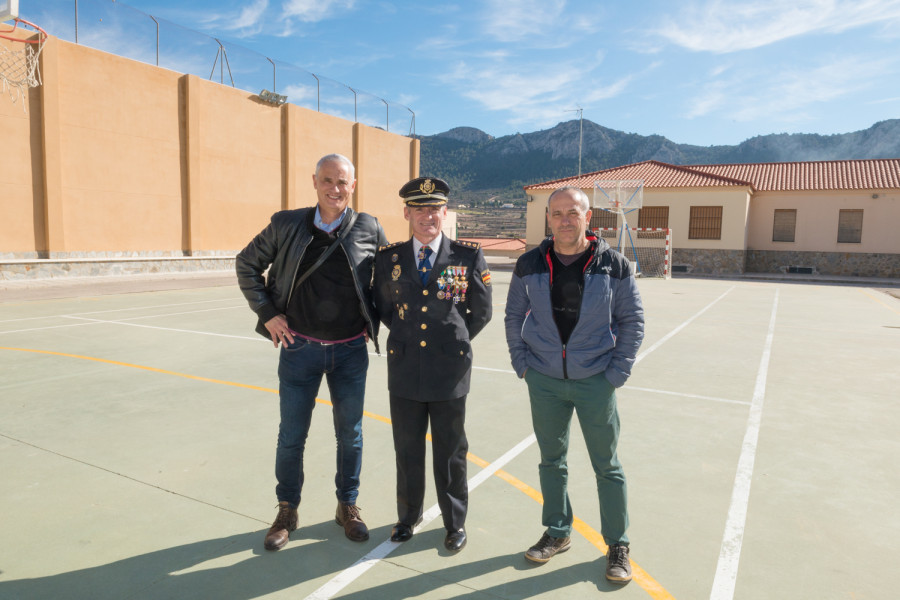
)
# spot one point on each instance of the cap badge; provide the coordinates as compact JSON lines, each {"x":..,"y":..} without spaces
{"x":426,"y":187}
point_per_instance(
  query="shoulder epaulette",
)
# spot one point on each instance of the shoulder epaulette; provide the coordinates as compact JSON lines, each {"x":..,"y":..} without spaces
{"x":389,"y":246}
{"x":465,"y":244}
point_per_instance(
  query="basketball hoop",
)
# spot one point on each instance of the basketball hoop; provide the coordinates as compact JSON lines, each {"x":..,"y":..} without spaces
{"x":620,"y":196}
{"x":19,"y":68}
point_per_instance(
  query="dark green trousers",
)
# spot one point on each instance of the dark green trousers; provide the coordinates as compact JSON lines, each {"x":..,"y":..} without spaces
{"x":594,"y":400}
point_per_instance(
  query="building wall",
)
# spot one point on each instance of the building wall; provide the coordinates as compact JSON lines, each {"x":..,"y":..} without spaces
{"x":817,"y":220}
{"x":116,"y":158}
{"x":746,"y":243}
{"x":734,"y":203}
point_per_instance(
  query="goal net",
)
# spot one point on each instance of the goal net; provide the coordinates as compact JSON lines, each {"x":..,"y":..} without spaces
{"x":649,"y":250}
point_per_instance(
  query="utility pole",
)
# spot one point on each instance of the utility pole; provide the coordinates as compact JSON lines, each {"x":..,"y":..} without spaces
{"x":580,"y":112}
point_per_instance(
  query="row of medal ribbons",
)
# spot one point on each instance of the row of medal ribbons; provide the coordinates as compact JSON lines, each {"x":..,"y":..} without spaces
{"x":452,"y":284}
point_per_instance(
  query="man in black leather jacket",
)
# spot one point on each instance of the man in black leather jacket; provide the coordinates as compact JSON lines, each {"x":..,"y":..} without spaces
{"x":316,"y":301}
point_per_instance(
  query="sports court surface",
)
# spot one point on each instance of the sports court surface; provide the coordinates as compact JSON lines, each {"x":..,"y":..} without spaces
{"x":759,"y":438}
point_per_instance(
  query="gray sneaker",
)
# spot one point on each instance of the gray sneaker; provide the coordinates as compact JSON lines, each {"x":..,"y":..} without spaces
{"x":618,"y":567}
{"x":546,"y":547}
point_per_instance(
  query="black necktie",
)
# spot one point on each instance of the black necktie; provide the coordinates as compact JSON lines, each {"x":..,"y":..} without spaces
{"x":424,"y":263}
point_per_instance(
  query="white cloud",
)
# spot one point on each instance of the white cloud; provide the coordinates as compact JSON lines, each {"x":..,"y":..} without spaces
{"x":791,"y":94}
{"x":722,"y":26}
{"x":542,"y":23}
{"x":312,"y":11}
{"x":248,"y":22}
{"x":252,"y":13}
{"x":537,"y":95}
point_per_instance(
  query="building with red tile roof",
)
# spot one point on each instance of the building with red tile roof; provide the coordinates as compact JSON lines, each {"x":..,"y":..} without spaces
{"x":829,"y":217}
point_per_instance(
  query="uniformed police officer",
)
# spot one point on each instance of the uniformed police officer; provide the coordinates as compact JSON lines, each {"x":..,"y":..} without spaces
{"x":434,"y":294}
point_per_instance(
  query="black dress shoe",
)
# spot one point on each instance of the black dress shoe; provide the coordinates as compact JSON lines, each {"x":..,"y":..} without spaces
{"x":401,"y":532}
{"x":455,"y":540}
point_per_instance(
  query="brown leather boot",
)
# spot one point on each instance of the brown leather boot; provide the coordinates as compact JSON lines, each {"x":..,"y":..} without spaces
{"x":280,"y":531}
{"x":347,"y":515}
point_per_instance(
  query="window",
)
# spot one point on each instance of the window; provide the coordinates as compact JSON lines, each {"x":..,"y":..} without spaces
{"x":850,"y":226}
{"x":603,"y":219}
{"x":706,"y":223}
{"x":784,"y":225}
{"x":653,"y":217}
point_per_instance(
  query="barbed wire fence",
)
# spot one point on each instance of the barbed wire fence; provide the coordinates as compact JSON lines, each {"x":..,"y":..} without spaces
{"x":123,"y":30}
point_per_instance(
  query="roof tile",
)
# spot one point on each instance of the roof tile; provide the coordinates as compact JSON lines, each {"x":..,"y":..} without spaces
{"x":789,"y":176}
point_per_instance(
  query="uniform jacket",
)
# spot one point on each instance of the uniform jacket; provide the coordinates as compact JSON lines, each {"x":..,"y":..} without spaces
{"x":428,"y":349}
{"x":610,"y":324}
{"x":280,"y":247}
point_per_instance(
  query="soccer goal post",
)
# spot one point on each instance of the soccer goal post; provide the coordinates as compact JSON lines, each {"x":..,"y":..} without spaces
{"x":649,"y":250}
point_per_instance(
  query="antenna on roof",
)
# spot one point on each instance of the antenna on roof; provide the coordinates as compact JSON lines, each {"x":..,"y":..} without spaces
{"x":580,"y":112}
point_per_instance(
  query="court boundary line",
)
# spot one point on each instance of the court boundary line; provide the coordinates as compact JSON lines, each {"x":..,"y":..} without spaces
{"x":95,"y":312}
{"x":732,"y":540}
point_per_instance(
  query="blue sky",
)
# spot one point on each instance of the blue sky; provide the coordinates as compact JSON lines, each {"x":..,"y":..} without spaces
{"x":700,"y":72}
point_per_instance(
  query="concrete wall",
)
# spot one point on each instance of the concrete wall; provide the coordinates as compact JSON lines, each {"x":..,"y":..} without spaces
{"x":116,"y":158}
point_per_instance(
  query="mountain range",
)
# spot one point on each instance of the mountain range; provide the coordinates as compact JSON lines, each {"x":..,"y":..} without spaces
{"x":481,"y":168}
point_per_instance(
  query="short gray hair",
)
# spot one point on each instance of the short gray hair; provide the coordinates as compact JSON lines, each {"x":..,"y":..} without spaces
{"x":337,"y":158}
{"x":577,"y":192}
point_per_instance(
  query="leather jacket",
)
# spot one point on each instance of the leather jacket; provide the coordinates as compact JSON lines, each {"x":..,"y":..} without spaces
{"x":280,"y":248}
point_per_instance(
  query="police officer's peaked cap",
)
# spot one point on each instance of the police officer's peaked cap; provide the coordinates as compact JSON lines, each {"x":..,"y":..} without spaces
{"x":425,"y":191}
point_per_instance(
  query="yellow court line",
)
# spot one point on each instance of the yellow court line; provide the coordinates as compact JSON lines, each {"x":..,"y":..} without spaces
{"x":878,"y":300}
{"x":641,"y":577}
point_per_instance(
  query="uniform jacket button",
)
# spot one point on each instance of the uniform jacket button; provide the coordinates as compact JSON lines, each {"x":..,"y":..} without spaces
{"x":422,"y":343}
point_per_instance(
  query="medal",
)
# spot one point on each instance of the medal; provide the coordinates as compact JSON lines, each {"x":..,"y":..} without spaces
{"x":394,"y":258}
{"x":440,"y":295}
{"x":395,"y":273}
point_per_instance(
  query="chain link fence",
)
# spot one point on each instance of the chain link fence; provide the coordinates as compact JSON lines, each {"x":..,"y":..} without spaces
{"x":119,"y":29}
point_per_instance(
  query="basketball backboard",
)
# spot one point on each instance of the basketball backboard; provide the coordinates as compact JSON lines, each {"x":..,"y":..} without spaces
{"x":9,"y":9}
{"x":618,"y":195}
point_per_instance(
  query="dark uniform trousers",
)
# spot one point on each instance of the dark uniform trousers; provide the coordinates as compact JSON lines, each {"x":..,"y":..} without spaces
{"x":429,"y":367}
{"x":449,"y":447}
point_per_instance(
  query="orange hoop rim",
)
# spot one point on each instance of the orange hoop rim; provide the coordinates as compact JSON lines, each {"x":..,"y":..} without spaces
{"x":5,"y":34}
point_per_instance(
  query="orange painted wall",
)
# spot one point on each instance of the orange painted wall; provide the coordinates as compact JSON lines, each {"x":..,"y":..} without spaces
{"x":119,"y":153}
{"x":119,"y":158}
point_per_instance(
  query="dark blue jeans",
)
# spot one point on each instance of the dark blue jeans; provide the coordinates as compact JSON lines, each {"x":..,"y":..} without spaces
{"x":300,"y":371}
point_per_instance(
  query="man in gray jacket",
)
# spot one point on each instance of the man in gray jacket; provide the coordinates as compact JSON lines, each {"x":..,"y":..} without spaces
{"x":574,"y":323}
{"x":316,"y":301}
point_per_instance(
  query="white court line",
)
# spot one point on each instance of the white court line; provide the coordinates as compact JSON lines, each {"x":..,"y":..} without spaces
{"x":631,"y":387}
{"x":160,"y":316}
{"x":351,"y":573}
{"x":239,"y":337}
{"x":122,"y":321}
{"x":730,"y":552}
{"x":683,"y":395}
{"x":666,"y":337}
{"x":112,"y":310}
